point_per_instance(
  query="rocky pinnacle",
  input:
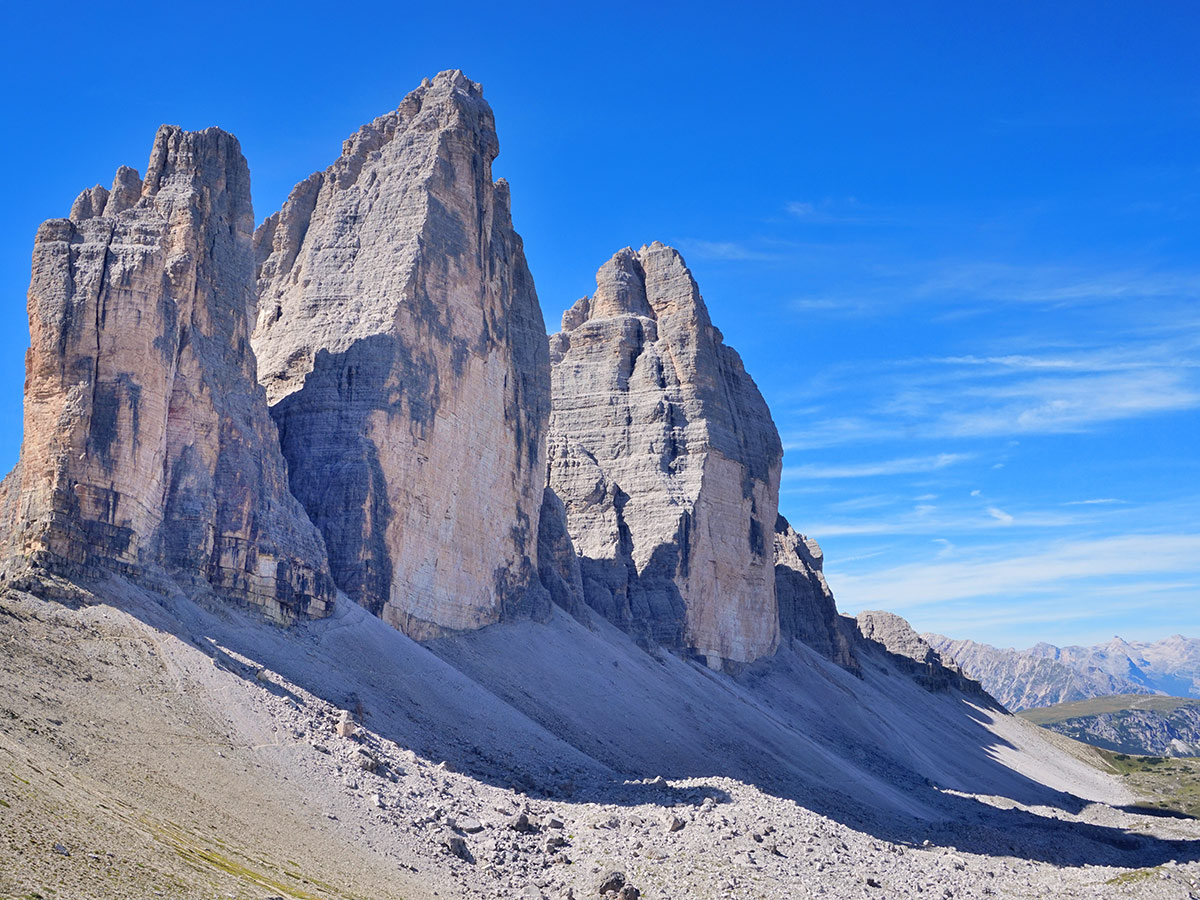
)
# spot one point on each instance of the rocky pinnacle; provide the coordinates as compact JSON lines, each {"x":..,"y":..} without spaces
{"x":147,"y":438}
{"x":665,"y":455}
{"x":403,"y":350}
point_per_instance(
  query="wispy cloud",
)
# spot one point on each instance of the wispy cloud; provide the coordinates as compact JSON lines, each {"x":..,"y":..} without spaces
{"x":1000,"y":515}
{"x":729,"y":250}
{"x":1100,"y":501}
{"x":984,"y":396}
{"x":870,"y":501}
{"x":905,"y":466}
{"x":830,"y":211}
{"x":1107,"y":360}
{"x":1059,"y":405}
{"x":1054,"y":285}
{"x":845,"y":306}
{"x":929,"y":520}
{"x":822,"y":431}
{"x":998,"y":571}
{"x":801,"y":210}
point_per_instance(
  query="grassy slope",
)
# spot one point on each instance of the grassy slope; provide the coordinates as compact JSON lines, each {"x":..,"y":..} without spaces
{"x":1062,"y":712}
{"x":1169,"y":784}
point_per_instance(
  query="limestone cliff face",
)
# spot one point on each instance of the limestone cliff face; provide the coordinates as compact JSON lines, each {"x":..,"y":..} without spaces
{"x":807,"y":611}
{"x":403,"y":350}
{"x":888,"y":633}
{"x":558,"y":564}
{"x":666,"y":458}
{"x":147,"y":437}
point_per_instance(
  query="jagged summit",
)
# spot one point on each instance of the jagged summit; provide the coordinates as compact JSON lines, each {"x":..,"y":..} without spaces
{"x":403,"y":350}
{"x":667,"y":460}
{"x":147,"y":441}
{"x":621,"y":288}
{"x":1046,"y":675}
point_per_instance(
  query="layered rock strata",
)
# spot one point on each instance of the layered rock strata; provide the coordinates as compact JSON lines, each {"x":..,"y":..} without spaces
{"x":403,"y":350}
{"x":666,"y":458}
{"x":807,"y":611}
{"x":147,"y":438}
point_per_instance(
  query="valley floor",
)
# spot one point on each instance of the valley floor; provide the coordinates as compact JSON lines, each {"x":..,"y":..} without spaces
{"x":160,"y":747}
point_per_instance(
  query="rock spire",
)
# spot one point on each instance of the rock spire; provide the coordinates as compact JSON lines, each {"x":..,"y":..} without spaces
{"x":807,"y":612}
{"x":666,"y":458}
{"x":403,"y":350}
{"x":147,"y":439}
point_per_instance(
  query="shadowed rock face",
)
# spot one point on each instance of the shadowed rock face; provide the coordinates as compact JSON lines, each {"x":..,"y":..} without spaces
{"x":147,"y":437}
{"x":403,"y":350}
{"x":807,"y":611}
{"x":665,"y":455}
{"x":558,"y":564}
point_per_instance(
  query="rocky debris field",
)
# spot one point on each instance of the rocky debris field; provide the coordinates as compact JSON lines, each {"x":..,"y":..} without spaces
{"x":147,"y":760}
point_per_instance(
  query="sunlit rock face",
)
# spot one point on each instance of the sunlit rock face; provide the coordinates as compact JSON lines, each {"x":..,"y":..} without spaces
{"x":148,"y":444}
{"x":403,"y":350}
{"x":667,"y":460}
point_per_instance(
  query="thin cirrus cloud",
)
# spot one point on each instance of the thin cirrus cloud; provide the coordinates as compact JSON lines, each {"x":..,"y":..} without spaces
{"x":927,"y":520}
{"x":969,"y":288}
{"x":1052,"y":285}
{"x":977,"y":396}
{"x":847,"y":211}
{"x":910,"y":465}
{"x":1060,"y":405}
{"x":733,"y":251}
{"x":998,"y":571}
{"x":1000,"y":515}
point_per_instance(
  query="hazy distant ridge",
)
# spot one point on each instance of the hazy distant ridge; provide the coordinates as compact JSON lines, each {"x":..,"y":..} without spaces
{"x":1044,"y":675}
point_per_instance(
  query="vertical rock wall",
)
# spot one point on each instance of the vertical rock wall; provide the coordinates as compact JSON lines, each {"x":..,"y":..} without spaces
{"x":404,"y":354}
{"x":147,"y":437}
{"x":807,"y":612}
{"x":666,"y":458}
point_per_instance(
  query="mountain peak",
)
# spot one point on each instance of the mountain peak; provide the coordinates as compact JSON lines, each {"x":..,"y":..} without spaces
{"x":393,"y":289}
{"x":147,"y":442}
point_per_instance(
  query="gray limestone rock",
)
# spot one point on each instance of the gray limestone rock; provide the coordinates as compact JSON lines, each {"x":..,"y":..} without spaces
{"x":907,"y":650}
{"x":147,"y":438}
{"x":666,"y":458}
{"x":807,"y":611}
{"x":1044,"y":674}
{"x":404,"y":354}
{"x":558,"y":564}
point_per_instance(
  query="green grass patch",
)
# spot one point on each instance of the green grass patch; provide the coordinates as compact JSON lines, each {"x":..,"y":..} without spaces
{"x":1165,"y":785}
{"x":1062,"y":712}
{"x":205,"y":858}
{"x":1137,"y":876}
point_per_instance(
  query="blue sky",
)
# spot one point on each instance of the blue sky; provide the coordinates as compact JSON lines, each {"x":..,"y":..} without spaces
{"x":956,"y":244}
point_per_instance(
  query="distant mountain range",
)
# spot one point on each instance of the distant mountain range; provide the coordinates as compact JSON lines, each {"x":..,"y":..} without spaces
{"x":1144,"y":724}
{"x":1045,"y":675}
